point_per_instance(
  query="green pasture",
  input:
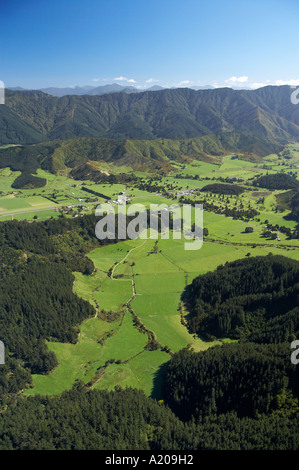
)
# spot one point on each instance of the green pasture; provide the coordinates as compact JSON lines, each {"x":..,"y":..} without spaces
{"x":7,"y":177}
{"x":227,"y":229}
{"x":199,"y":168}
{"x":16,"y":203}
{"x":116,"y":374}
{"x":229,"y":167}
{"x":125,"y":343}
{"x":110,"y":294}
{"x":30,"y":216}
{"x":142,"y":372}
{"x":67,"y":191}
{"x":231,"y":163}
{"x":12,"y":204}
{"x":76,"y":361}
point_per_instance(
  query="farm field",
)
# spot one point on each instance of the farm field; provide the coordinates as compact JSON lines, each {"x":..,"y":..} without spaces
{"x":61,"y":190}
{"x":76,"y":361}
{"x":11,"y":203}
{"x":141,"y":281}
{"x":150,"y":281}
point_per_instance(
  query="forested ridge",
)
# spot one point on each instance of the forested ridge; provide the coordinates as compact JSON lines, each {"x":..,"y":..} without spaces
{"x":219,"y":188}
{"x":128,"y":420}
{"x":277,"y":181}
{"x":33,"y":116}
{"x":37,"y":302}
{"x":242,"y":395}
{"x":254,"y":301}
{"x":246,"y":298}
{"x":247,"y":378}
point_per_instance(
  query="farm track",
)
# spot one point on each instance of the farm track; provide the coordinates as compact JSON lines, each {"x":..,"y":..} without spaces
{"x":122,"y":260}
{"x":126,"y":305}
{"x":127,"y":280}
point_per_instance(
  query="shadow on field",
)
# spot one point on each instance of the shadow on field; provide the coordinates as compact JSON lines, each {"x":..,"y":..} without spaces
{"x":157,"y":392}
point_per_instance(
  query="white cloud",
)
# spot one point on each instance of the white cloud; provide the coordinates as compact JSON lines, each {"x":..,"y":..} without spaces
{"x":292,"y":82}
{"x":288,"y":82}
{"x":124,"y":79}
{"x":95,"y":79}
{"x":183,"y":83}
{"x":151,"y":80}
{"x":258,"y":85}
{"x":242,"y":79}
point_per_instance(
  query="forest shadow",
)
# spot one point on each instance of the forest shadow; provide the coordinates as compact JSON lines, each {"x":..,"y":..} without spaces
{"x":158,"y":383}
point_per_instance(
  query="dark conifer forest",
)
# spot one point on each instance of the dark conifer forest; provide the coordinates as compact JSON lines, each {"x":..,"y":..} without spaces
{"x":245,"y":299}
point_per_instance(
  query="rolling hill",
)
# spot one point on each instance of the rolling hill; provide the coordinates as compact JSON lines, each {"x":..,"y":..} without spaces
{"x":84,"y":156}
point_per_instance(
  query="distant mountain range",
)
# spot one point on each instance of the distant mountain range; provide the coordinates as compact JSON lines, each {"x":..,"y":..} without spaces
{"x":266,"y":115}
{"x":142,"y":130}
{"x":100,"y":90}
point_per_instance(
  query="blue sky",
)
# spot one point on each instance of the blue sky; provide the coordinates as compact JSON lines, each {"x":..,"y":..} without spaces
{"x":141,"y":43}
